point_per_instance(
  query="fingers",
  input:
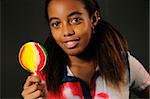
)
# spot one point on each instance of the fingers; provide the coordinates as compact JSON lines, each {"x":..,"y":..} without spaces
{"x":42,"y":98}
{"x":34,"y":95}
{"x":33,"y":88}
{"x":30,"y":80}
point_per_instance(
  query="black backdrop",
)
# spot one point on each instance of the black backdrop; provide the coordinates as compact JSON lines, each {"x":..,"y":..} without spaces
{"x":24,"y":20}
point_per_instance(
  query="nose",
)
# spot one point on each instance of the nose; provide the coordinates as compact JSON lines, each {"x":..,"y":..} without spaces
{"x":68,"y":30}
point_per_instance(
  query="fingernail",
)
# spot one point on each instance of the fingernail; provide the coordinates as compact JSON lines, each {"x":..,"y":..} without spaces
{"x":43,"y":82}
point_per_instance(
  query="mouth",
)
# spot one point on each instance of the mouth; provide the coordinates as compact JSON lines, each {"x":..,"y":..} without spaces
{"x":71,"y":43}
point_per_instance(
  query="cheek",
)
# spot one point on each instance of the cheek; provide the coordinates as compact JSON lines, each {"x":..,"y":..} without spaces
{"x":56,"y":35}
{"x":84,"y":30}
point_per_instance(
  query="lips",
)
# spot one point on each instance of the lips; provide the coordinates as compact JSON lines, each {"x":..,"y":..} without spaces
{"x":71,"y":42}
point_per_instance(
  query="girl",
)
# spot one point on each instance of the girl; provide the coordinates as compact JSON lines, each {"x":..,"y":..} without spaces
{"x":88,"y":58}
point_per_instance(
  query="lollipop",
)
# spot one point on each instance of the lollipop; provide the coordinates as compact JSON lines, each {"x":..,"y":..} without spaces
{"x":32,"y":57}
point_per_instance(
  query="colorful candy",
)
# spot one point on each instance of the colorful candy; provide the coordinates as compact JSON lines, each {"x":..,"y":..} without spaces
{"x":32,"y":57}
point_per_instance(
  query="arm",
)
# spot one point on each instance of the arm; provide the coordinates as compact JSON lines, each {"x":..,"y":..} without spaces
{"x":140,"y":78}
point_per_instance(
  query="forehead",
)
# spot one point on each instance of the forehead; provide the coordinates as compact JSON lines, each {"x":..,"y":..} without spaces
{"x":62,"y":7}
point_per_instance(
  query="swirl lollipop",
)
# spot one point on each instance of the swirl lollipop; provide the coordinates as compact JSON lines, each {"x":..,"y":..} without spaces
{"x":32,"y":57}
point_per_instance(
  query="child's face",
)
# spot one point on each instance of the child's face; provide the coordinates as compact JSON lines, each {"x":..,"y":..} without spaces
{"x":70,"y":25}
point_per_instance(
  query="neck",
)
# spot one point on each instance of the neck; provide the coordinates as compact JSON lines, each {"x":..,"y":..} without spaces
{"x":77,"y":61}
{"x":82,"y":68}
{"x":83,"y":65}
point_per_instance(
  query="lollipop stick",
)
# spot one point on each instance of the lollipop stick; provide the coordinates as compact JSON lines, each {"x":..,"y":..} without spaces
{"x":35,"y":74}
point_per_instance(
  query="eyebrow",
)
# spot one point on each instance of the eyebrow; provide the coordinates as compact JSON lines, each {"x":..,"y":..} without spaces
{"x":50,"y":19}
{"x":74,"y":13}
{"x":71,"y":14}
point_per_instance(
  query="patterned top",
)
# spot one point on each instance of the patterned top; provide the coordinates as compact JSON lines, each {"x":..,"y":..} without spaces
{"x":137,"y":78}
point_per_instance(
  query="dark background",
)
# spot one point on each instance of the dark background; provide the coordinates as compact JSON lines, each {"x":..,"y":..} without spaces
{"x":24,"y":20}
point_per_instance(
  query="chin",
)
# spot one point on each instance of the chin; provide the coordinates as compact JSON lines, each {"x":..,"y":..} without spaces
{"x":73,"y":52}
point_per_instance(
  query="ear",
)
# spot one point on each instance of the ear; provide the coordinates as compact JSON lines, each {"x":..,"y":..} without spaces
{"x":95,"y":18}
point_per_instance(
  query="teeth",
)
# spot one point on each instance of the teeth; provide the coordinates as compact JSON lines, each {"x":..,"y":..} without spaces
{"x":77,"y":38}
{"x":70,"y":43}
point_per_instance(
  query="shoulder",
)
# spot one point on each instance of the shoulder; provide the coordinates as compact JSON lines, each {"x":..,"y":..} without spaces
{"x":140,"y":78}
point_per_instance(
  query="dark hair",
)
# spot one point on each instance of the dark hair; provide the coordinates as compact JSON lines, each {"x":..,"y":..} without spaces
{"x":109,"y":46}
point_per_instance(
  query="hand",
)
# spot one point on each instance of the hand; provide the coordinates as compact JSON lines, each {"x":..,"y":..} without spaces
{"x":34,"y":88}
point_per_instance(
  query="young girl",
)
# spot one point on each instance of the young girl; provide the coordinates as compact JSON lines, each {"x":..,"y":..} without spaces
{"x":88,"y":58}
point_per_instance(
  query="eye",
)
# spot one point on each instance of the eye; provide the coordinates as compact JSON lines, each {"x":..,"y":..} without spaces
{"x":76,"y":21}
{"x":55,"y":25}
